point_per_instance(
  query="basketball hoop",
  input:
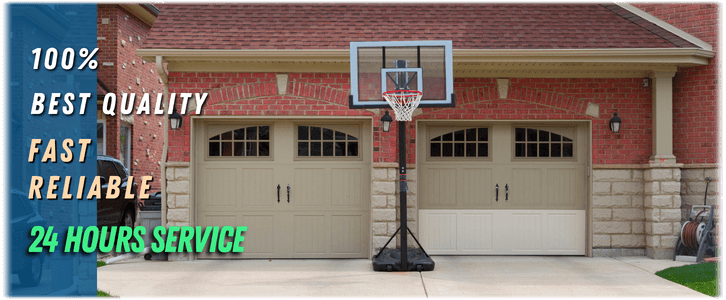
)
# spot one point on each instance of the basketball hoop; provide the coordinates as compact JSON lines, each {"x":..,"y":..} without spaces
{"x":403,"y":102}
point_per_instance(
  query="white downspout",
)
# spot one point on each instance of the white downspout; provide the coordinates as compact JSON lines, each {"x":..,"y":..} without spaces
{"x":165,"y":79}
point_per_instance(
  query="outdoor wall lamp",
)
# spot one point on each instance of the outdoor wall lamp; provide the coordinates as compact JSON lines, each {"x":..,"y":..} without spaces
{"x":175,"y":120}
{"x":386,"y":121}
{"x":615,"y":123}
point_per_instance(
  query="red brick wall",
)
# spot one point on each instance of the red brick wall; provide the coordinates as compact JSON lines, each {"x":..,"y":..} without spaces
{"x":107,"y":54}
{"x":695,"y":104}
{"x":531,"y":99}
{"x":125,"y":33}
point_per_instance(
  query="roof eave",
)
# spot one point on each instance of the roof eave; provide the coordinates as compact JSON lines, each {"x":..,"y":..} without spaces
{"x":674,"y":56}
{"x":666,"y":26}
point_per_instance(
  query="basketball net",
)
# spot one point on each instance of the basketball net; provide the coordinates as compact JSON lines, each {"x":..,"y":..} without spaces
{"x":403,"y":102}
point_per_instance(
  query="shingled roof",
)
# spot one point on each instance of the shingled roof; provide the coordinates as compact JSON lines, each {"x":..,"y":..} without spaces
{"x":469,"y":26}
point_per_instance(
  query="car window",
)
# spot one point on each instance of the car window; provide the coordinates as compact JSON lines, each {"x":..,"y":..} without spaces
{"x":106,"y":169}
{"x":121,"y":170}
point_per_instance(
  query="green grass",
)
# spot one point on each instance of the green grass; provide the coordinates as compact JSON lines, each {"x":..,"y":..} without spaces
{"x":100,"y":264}
{"x":701,"y":277}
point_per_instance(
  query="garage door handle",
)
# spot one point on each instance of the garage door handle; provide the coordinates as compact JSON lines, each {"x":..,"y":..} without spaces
{"x":497,"y":188}
{"x":506,"y":192}
{"x":288,"y":193}
{"x":278,"y":193}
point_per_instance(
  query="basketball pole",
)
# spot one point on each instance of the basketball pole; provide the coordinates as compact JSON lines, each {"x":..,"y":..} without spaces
{"x":402,"y":78}
{"x":403,"y":186}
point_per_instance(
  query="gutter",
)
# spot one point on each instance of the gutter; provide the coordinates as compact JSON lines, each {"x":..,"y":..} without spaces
{"x":151,"y":8}
{"x":165,"y":79}
{"x":619,"y":55}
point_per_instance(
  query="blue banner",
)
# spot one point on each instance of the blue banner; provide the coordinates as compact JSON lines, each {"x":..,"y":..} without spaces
{"x":34,"y":70}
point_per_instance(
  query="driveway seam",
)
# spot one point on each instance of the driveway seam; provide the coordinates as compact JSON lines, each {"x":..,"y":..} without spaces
{"x":629,"y":264}
{"x":423,"y":284}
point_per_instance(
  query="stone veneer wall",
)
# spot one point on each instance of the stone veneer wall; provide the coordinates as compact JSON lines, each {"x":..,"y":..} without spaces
{"x":618,"y":213}
{"x":662,"y":203}
{"x":384,"y":202}
{"x":693,"y":188}
{"x":177,"y":199}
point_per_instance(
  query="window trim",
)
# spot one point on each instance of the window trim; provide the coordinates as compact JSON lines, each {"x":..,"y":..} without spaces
{"x":128,"y":145}
{"x":332,"y":126}
{"x":489,"y":142}
{"x":549,"y":128}
{"x":102,"y":121}
{"x":233,"y":127}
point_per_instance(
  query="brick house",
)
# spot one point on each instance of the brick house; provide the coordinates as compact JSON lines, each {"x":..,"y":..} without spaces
{"x":558,"y":72}
{"x":136,"y":140}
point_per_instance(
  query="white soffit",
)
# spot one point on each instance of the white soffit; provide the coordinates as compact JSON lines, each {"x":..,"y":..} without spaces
{"x":663,"y":24}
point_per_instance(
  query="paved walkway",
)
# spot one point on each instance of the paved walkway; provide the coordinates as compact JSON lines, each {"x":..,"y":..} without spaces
{"x":454,"y":276}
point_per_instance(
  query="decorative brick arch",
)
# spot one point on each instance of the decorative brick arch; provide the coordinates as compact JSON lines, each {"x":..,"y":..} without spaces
{"x":244,"y":91}
{"x":480,"y":95}
{"x":319,"y":92}
{"x":268,"y":89}
{"x":262,"y":99}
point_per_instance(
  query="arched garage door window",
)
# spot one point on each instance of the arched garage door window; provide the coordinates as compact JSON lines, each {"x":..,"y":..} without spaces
{"x":246,"y":141}
{"x":314,"y":141}
{"x":530,"y":142}
{"x":470,"y":142}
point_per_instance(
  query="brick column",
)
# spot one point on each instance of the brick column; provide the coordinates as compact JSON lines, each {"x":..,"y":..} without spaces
{"x":385,"y":205}
{"x":177,"y":200}
{"x":662,"y":203}
{"x":383,"y":202}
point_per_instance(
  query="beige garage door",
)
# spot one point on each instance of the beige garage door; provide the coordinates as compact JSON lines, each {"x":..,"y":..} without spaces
{"x":326,"y":166}
{"x":503,"y":188}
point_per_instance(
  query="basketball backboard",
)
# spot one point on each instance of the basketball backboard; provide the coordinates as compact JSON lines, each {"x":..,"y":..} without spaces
{"x":425,"y":66}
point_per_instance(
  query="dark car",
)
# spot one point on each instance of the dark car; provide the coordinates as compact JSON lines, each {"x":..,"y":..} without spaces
{"x":28,"y":266}
{"x":118,"y":211}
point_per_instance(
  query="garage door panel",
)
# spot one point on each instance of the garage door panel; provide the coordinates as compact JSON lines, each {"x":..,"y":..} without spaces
{"x":565,"y":188}
{"x":476,"y":191}
{"x":544,"y":212}
{"x":476,"y":232}
{"x":502,"y":232}
{"x":439,"y":231}
{"x":525,"y":232}
{"x":565,"y":236}
{"x":347,"y":232}
{"x":218,"y":185}
{"x":525,"y":188}
{"x":346,"y":187}
{"x":439,"y":187}
{"x":218,"y":220}
{"x":328,"y":213}
{"x":308,"y":187}
{"x":309,"y":235}
{"x":258,"y":188}
{"x":260,"y":235}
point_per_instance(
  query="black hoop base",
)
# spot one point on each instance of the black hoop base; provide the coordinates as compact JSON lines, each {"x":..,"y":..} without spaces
{"x":390,"y":260}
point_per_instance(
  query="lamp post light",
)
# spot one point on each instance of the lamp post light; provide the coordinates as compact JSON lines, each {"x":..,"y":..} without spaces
{"x":386,"y":121}
{"x":615,"y":123}
{"x":175,"y":120}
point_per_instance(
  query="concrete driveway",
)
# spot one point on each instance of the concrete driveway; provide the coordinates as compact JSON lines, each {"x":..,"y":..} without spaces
{"x":454,"y":276}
